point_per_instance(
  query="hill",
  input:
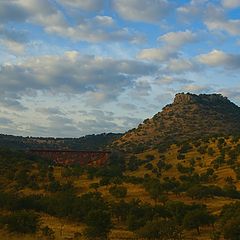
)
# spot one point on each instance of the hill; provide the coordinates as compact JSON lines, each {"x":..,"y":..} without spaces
{"x":88,"y":142}
{"x":189,"y":117}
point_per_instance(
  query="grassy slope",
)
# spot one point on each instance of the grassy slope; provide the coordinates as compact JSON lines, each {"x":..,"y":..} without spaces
{"x":137,"y":191}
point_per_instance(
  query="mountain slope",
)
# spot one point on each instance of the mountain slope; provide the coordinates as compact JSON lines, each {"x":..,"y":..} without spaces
{"x":190,"y":116}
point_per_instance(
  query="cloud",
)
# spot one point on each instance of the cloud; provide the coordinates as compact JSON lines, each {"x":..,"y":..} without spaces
{"x":215,"y":20}
{"x":54,"y":21}
{"x":217,"y":58}
{"x":230,"y":26}
{"x":193,"y":88}
{"x":13,"y":40}
{"x":5,"y":121}
{"x":157,"y":54}
{"x":96,"y":29}
{"x":50,"y":111}
{"x":169,"y":80}
{"x":86,"y":5}
{"x":172,"y":42}
{"x":128,"y":106}
{"x":83,"y":123}
{"x":181,"y":65}
{"x":233,"y":93}
{"x":142,"y":88}
{"x":12,"y":11}
{"x":192,"y":10}
{"x":230,"y":3}
{"x":72,"y":73}
{"x":178,"y":39}
{"x":102,"y":121}
{"x":143,"y":10}
{"x":11,"y":101}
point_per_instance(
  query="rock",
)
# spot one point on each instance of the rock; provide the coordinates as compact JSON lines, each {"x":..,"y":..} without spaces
{"x":188,"y":98}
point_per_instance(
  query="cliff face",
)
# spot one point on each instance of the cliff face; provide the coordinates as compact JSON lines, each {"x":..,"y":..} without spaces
{"x":190,"y":116}
{"x":188,"y":98}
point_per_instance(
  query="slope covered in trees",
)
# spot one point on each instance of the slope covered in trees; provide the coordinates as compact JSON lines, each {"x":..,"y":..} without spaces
{"x":88,"y":142}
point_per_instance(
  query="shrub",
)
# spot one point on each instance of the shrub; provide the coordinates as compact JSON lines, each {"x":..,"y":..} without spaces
{"x":22,"y":221}
{"x":119,"y":192}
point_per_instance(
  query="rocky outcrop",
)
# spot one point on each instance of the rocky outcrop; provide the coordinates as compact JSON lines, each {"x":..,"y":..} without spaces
{"x":182,"y":98}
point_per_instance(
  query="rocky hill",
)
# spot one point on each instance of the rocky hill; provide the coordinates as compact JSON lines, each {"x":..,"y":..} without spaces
{"x":190,"y":116}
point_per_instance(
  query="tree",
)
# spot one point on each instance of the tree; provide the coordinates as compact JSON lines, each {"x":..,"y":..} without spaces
{"x":99,"y":224}
{"x":119,"y":192}
{"x":154,"y":188}
{"x":22,"y":222}
{"x":196,"y":218}
{"x":120,"y":210}
{"x":160,"y":229}
{"x":94,"y":186}
{"x":231,"y":229}
{"x":48,"y":233}
{"x":177,"y":209}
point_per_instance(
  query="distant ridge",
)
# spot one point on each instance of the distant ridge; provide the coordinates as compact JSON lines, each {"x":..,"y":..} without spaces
{"x":190,"y":116}
{"x":88,"y":142}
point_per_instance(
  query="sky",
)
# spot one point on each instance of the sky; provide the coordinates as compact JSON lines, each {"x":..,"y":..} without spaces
{"x":74,"y":67}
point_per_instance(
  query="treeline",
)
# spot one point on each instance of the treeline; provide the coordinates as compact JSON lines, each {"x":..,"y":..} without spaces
{"x":88,"y":142}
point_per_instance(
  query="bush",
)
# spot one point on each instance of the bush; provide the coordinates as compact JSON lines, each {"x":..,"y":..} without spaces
{"x":22,"y":222}
{"x":231,"y":229}
{"x":99,"y":224}
{"x":196,"y":218}
{"x":119,"y":192}
{"x":160,"y":229}
{"x":48,"y":233}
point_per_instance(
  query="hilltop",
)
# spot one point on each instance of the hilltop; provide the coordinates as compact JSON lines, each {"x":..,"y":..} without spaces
{"x":189,"y":117}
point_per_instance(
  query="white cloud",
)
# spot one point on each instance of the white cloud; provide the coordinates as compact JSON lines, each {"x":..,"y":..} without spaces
{"x":217,"y":58}
{"x":97,"y":29}
{"x":216,"y":20}
{"x":172,"y":41}
{"x":142,"y":88}
{"x":230,"y":26}
{"x":231,"y":3}
{"x":46,"y":14}
{"x":193,"y":88}
{"x":151,"y":11}
{"x":177,"y":39}
{"x":192,"y":10}
{"x":157,"y":54}
{"x":102,"y":79}
{"x":179,"y":65}
{"x":13,"y":46}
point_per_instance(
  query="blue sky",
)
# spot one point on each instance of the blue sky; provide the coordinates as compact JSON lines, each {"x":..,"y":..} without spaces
{"x":74,"y":67}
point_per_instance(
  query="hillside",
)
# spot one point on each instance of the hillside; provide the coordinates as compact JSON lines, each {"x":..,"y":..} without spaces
{"x":88,"y":142}
{"x":168,"y":186}
{"x":189,"y":117}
